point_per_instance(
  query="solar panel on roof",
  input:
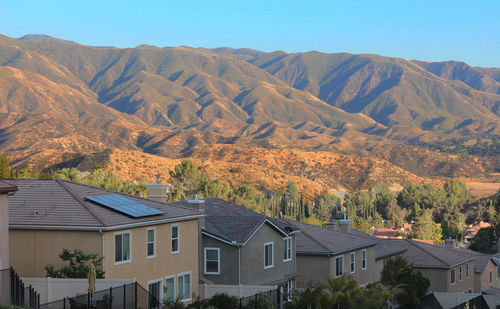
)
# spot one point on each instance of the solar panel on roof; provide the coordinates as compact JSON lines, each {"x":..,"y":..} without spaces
{"x":125,"y":205}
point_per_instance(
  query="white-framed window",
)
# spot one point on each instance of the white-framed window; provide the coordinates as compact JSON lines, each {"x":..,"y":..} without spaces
{"x":151,"y":242}
{"x":212,"y":261}
{"x":175,"y":238}
{"x":363,"y":259}
{"x":491,"y":276}
{"x":289,"y":289}
{"x":268,"y":255}
{"x":170,"y":288}
{"x":467,"y":270}
{"x":353,"y":262}
{"x":460,"y":273}
{"x":155,"y":291}
{"x":122,"y":247}
{"x":184,"y":286}
{"x":287,"y":249}
{"x":452,"y":276}
{"x":339,"y":266}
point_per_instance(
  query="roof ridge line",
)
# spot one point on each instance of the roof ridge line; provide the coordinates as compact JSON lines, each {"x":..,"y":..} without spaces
{"x":218,"y":229}
{"x":317,"y":241}
{"x":436,"y":257}
{"x":78,"y":199}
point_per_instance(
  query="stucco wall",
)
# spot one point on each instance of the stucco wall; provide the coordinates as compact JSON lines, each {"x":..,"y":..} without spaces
{"x":165,"y":263}
{"x":252,"y":259}
{"x":484,"y":278}
{"x":440,"y":279}
{"x":4,"y":232}
{"x":228,"y":263}
{"x":31,"y":250}
{"x":312,"y":268}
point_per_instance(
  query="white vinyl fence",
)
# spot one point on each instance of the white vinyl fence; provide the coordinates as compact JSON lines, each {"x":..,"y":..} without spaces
{"x":209,"y":290}
{"x":52,"y":289}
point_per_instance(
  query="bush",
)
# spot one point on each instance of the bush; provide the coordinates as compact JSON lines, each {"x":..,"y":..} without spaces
{"x":263,"y":301}
{"x":223,"y":301}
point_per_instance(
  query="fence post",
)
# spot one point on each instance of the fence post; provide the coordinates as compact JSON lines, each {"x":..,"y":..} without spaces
{"x":255,"y":306}
{"x":135,"y":294}
{"x":124,"y":296}
{"x":88,"y":300}
{"x":64,"y":303}
{"x":241,"y":302}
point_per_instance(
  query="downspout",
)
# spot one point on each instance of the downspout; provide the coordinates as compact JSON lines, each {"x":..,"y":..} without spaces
{"x":239,"y":264}
{"x":102,"y":242}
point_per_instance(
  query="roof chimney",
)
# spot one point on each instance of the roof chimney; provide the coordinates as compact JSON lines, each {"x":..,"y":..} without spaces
{"x":332,"y":225}
{"x":196,"y":203}
{"x":345,"y":225}
{"x":451,"y":243}
{"x":158,"y":191}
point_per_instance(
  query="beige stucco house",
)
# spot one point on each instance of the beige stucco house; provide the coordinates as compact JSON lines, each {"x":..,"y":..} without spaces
{"x":153,"y":242}
{"x":5,"y":190}
{"x":450,"y":268}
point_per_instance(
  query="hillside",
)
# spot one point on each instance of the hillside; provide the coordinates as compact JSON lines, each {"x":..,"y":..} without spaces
{"x":330,"y":121}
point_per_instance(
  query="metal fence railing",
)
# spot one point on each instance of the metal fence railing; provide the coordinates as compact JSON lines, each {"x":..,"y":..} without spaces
{"x":13,"y":291}
{"x":128,"y":296}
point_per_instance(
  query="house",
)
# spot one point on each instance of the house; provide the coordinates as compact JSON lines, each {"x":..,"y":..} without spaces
{"x":449,"y":268}
{"x":471,"y":231}
{"x":153,"y":242}
{"x":5,"y":190}
{"x":242,"y":252}
{"x":336,"y":250}
{"x":485,"y":268}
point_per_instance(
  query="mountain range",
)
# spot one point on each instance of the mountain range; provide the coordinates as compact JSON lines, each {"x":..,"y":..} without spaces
{"x":60,"y":100}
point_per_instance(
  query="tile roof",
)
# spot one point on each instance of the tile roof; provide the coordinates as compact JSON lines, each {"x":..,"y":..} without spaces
{"x":60,"y":204}
{"x":431,"y":256}
{"x":481,"y":259}
{"x":233,"y":223}
{"x":314,"y":239}
{"x":7,"y":187}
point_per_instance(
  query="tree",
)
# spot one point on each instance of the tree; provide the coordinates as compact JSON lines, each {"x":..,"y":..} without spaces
{"x":340,"y":291}
{"x":484,"y":241}
{"x":291,"y":192}
{"x":68,"y":173}
{"x":4,"y":167}
{"x":78,"y":265}
{"x":425,"y":227}
{"x":26,"y":173}
{"x":383,"y":199}
{"x":407,"y":284}
{"x":370,"y":297}
{"x":325,"y":206}
{"x":185,"y":179}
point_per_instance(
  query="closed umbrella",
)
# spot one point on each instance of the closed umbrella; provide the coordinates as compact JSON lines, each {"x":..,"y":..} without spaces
{"x":91,"y":276}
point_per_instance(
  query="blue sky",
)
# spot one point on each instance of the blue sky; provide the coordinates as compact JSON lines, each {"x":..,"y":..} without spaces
{"x":427,"y":30}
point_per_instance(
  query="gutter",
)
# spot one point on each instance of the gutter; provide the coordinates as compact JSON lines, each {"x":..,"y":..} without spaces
{"x":100,"y":228}
{"x":333,"y":253}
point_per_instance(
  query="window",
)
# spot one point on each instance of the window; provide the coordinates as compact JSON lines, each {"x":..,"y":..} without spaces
{"x":170,"y":288}
{"x":353,"y":262}
{"x":289,"y":289}
{"x":363,"y":260}
{"x":154,"y":289}
{"x":467,"y":270}
{"x":151,"y":244}
{"x":268,"y":255}
{"x":491,"y":277}
{"x":122,"y":247}
{"x":175,"y":238}
{"x":287,"y":249}
{"x":460,"y":273}
{"x":212,"y":261}
{"x":452,"y":276}
{"x":339,"y":266}
{"x":184,"y":286}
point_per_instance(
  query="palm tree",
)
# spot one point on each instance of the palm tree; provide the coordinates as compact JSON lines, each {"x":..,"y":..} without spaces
{"x":340,"y":290}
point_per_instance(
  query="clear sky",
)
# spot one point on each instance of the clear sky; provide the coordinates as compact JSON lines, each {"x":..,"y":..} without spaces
{"x":427,"y":30}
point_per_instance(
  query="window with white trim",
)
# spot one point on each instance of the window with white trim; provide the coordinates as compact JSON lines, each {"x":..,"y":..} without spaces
{"x":184,"y":286}
{"x":287,"y":249}
{"x":151,"y":243}
{"x":339,"y":266}
{"x":363,"y":259}
{"x":170,"y":288}
{"x":122,"y":248}
{"x":353,"y":262}
{"x":154,"y":289}
{"x":175,"y":238}
{"x":268,"y":255}
{"x":289,"y":289}
{"x":212,"y":261}
{"x":467,"y":270}
{"x":460,"y":273}
{"x":452,"y":276}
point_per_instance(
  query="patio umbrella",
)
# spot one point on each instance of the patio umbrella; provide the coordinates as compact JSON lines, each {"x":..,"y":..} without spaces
{"x":91,"y":276}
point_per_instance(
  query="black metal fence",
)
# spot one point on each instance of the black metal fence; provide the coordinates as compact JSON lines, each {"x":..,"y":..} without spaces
{"x":128,"y":296}
{"x":271,"y":299}
{"x":13,"y":291}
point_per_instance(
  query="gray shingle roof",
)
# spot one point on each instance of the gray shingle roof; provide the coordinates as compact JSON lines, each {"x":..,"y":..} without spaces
{"x":7,"y":187}
{"x":314,"y":239}
{"x":383,"y":248}
{"x":431,"y":256}
{"x":231,"y":222}
{"x":60,"y":204}
{"x":481,"y":259}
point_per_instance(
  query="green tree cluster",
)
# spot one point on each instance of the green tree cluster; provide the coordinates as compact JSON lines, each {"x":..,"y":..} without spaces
{"x":78,"y":265}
